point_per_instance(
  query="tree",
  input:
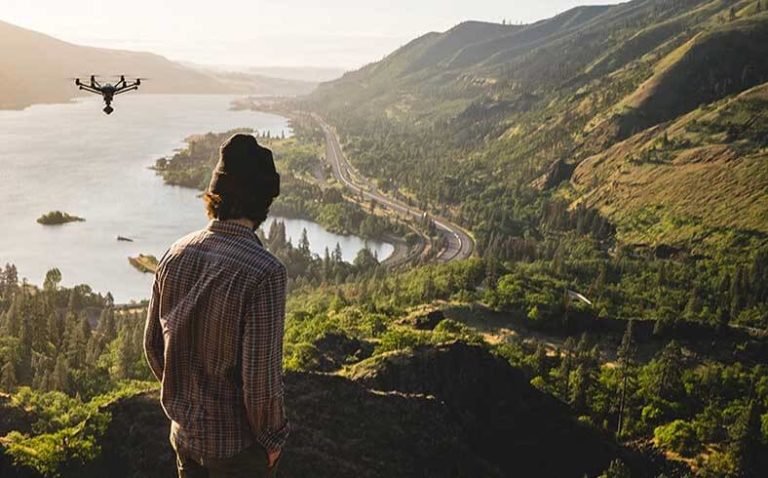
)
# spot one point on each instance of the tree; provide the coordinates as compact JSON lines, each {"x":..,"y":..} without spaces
{"x":566,"y":366}
{"x":666,"y":374}
{"x":78,"y":334}
{"x":55,"y":330}
{"x":617,"y":469}
{"x":60,"y":376}
{"x":748,"y":449}
{"x":540,"y":360}
{"x":304,"y":243}
{"x":52,"y":279}
{"x":125,"y":358}
{"x":626,"y":361}
{"x":678,"y":436}
{"x":695,"y":303}
{"x":336,"y":256}
{"x":277,"y":237}
{"x":8,"y":377}
{"x":10,"y":280}
{"x":13,"y":316}
{"x":365,"y":260}
{"x":585,"y":378}
{"x":25,"y":353}
{"x":74,"y":303}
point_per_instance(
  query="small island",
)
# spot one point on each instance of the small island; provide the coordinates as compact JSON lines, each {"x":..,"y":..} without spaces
{"x":144,"y":263}
{"x":55,"y":218}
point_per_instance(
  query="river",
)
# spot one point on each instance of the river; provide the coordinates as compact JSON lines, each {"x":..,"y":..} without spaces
{"x":74,"y":158}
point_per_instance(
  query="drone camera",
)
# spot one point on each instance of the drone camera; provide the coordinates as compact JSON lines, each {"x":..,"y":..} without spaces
{"x":108,"y":110}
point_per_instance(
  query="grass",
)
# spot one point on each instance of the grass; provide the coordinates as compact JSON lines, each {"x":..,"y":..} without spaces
{"x":692,"y":187}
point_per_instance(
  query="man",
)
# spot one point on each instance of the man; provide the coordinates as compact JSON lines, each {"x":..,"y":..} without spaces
{"x":214,"y":332}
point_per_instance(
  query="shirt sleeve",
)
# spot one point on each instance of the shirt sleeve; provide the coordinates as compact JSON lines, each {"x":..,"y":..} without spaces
{"x":262,"y":361}
{"x":154,"y":345}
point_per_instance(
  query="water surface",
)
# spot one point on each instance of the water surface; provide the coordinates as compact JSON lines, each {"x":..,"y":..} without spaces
{"x":74,"y":158}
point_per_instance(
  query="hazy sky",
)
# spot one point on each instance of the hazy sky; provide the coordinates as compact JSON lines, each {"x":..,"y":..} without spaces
{"x":335,"y":33}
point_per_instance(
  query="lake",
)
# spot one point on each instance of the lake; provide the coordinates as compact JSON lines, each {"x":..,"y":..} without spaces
{"x":74,"y":158}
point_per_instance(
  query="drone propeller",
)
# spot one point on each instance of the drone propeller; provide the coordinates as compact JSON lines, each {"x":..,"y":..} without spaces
{"x":129,"y":77}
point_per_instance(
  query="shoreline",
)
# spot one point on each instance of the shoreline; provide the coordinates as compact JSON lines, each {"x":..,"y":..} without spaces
{"x":385,"y":238}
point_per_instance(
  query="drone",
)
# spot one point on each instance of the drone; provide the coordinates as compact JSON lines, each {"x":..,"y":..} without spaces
{"x":108,"y":90}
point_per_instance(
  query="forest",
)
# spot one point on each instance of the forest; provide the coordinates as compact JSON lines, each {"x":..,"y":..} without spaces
{"x":621,"y":266}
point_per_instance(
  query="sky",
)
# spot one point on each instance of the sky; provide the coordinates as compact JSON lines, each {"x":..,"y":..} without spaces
{"x":332,"y":33}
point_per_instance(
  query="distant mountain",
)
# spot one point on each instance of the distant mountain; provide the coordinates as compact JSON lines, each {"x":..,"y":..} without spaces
{"x":35,"y":68}
{"x":308,"y":74}
{"x":636,"y":98}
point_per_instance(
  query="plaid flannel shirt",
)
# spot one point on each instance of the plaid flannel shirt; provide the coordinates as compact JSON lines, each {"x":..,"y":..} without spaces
{"x":214,"y":339}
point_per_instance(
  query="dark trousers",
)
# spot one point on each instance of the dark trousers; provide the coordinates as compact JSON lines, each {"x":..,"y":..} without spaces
{"x":249,"y":463}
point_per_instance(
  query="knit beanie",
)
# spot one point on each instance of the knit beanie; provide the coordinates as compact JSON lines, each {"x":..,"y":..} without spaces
{"x":245,"y":170}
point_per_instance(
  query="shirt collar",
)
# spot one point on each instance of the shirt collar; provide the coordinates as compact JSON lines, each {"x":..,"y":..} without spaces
{"x":233,"y":228}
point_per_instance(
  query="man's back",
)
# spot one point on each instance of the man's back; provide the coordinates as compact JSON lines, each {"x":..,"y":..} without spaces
{"x":214,"y":339}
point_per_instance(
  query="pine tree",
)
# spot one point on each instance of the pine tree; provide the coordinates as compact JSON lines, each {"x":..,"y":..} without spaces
{"x":540,"y":361}
{"x":617,"y":469}
{"x":13,"y":318}
{"x":277,"y":237}
{"x":758,"y":277}
{"x":25,"y":353}
{"x":60,"y":376}
{"x":668,"y":379}
{"x":337,"y":257}
{"x":304,"y":243}
{"x":10,"y":281}
{"x":626,"y":355}
{"x":8,"y":377}
{"x":77,"y":341}
{"x":74,"y":304}
{"x":104,"y":334}
{"x":747,"y":449}
{"x":695,"y":303}
{"x":585,"y":379}
{"x":125,"y":357}
{"x":598,"y":286}
{"x":327,"y":266}
{"x":566,"y":367}
{"x":54,"y":330}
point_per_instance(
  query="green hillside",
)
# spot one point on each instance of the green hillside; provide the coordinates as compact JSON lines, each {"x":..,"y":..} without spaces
{"x":700,"y":178}
{"x":618,"y":151}
{"x":467,"y":120}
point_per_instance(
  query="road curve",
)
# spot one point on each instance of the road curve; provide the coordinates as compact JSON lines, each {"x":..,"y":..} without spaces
{"x":459,"y":244}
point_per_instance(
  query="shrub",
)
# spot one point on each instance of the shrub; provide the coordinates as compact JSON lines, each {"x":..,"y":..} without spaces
{"x":678,"y":436}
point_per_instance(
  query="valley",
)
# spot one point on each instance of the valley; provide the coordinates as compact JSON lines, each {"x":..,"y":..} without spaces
{"x":581,"y":283}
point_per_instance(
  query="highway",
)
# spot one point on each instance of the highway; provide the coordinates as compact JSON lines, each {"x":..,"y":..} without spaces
{"x":459,"y":244}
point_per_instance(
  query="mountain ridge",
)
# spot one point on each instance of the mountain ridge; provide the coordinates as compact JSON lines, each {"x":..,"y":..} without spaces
{"x":36,"y":67}
{"x":568,"y":88}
